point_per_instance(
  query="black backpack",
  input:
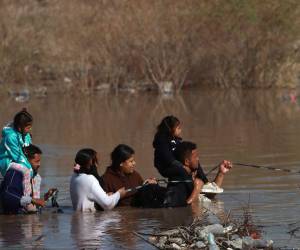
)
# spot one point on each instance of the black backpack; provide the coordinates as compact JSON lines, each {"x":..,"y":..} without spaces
{"x":149,"y":196}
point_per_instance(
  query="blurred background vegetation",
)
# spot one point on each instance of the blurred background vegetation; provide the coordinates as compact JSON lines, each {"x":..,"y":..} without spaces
{"x":93,"y":44}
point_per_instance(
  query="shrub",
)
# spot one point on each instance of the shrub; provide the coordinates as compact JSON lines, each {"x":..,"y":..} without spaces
{"x":217,"y":43}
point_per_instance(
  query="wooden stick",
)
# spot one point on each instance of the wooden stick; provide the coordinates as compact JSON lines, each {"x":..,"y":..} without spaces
{"x":265,"y":167}
{"x":143,"y":238}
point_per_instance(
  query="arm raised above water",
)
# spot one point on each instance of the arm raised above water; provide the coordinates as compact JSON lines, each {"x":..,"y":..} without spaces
{"x":98,"y":195}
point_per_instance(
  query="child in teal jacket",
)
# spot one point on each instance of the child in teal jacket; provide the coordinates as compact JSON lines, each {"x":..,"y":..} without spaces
{"x":15,"y":137}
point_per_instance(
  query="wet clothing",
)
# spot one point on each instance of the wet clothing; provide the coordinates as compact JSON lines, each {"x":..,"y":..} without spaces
{"x":148,"y":196}
{"x":85,"y":191}
{"x":12,"y":194}
{"x":167,"y":165}
{"x":165,"y":161}
{"x":11,"y":149}
{"x":114,"y":180}
{"x":178,"y":193}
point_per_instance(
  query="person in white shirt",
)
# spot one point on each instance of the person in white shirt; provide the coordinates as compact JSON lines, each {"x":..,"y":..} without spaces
{"x":85,"y":189}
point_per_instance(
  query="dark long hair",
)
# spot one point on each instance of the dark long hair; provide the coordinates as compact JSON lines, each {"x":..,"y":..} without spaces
{"x":21,"y":120}
{"x":167,"y":126}
{"x":86,"y":158}
{"x":120,"y":154}
{"x":93,"y":154}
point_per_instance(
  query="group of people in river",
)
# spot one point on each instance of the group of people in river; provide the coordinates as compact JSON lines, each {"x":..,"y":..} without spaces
{"x":120,"y":185}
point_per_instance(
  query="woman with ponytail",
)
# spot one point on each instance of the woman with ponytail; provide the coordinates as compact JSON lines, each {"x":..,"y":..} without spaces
{"x":85,"y":189}
{"x":15,"y":137}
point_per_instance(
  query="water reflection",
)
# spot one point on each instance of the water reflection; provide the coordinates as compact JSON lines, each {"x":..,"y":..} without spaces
{"x":102,"y":230}
{"x":88,"y":229}
{"x":257,"y":127}
{"x":25,"y":231}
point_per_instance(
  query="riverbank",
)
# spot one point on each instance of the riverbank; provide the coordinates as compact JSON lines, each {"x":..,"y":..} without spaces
{"x":83,"y":46}
{"x":23,"y":93}
{"x":254,"y":126}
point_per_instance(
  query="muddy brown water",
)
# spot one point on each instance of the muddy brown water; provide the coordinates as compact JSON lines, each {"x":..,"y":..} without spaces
{"x":257,"y":127}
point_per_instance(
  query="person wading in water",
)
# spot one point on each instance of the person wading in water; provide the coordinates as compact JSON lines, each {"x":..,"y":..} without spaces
{"x":188,"y":187}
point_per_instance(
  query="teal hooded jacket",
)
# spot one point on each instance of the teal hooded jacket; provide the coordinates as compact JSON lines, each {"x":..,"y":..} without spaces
{"x":11,"y":148}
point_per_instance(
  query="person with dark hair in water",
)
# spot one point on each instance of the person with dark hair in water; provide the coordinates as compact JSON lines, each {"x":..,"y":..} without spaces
{"x":94,"y":170}
{"x":95,"y":162}
{"x":122,"y":173}
{"x":18,"y":195}
{"x":15,"y":137}
{"x":166,"y":140}
{"x":189,"y":187}
{"x":85,"y":189}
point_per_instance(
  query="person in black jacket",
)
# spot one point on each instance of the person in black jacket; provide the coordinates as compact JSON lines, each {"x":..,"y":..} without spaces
{"x":165,"y":142}
{"x":166,"y":139}
{"x":180,"y":193}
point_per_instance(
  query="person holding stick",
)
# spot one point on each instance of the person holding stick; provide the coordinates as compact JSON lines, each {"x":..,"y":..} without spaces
{"x":187,"y":188}
{"x":122,"y":173}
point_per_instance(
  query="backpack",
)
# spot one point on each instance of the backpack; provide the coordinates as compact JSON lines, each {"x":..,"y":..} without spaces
{"x":149,"y":196}
{"x":177,"y":194}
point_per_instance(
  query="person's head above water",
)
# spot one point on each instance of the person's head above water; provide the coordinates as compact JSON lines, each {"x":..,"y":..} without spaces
{"x":84,"y":160}
{"x":23,"y":121}
{"x":33,"y":154}
{"x":186,"y":152}
{"x":93,"y":154}
{"x":170,"y":126}
{"x":122,"y":159}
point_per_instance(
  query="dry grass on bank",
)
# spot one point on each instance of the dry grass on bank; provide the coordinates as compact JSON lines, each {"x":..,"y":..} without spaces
{"x":217,"y":43}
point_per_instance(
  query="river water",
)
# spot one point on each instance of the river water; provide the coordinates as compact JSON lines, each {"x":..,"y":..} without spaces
{"x":255,"y":127}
